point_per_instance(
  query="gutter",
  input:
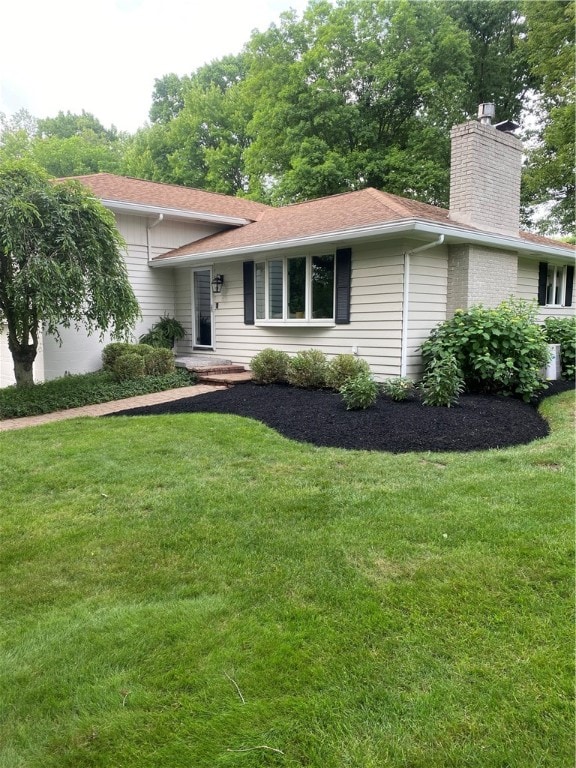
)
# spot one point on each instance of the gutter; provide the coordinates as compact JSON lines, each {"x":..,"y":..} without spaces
{"x":417,"y":226}
{"x":406,"y":300}
{"x":148,"y":228}
{"x":174,"y":213}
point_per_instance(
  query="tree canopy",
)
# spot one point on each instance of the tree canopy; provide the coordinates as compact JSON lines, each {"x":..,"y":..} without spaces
{"x":61,"y":263}
{"x":549,"y":175}
{"x":350,"y":94}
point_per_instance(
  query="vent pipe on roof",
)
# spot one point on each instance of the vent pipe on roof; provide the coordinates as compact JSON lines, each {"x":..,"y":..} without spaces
{"x":485,"y":113}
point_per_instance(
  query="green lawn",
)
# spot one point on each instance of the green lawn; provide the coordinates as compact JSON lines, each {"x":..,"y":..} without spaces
{"x":197,"y":591}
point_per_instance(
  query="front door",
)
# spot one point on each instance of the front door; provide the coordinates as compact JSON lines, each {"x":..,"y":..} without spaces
{"x":202,"y":308}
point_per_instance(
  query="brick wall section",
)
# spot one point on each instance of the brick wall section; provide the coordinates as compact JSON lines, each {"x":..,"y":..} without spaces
{"x":478,"y":275}
{"x":485,"y":178}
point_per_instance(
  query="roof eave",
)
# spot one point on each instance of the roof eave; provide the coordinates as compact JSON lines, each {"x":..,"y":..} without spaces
{"x":121,"y":206}
{"x":452,"y":234}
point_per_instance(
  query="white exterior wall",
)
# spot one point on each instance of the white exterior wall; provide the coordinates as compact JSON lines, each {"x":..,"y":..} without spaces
{"x":154,"y":289}
{"x":427,"y":303}
{"x":528,"y":290}
{"x":375,"y":327}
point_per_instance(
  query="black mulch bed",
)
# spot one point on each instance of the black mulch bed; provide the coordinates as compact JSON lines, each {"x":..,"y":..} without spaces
{"x":478,"y":422}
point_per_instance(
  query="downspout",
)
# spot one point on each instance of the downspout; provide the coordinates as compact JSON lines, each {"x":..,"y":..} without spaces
{"x":154,"y":224}
{"x":406,"y":300}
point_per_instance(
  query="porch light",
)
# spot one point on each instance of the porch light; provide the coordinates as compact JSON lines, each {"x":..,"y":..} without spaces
{"x":217,"y":283}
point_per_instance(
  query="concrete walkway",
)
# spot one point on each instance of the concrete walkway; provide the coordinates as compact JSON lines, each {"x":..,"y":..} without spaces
{"x":101,"y":409}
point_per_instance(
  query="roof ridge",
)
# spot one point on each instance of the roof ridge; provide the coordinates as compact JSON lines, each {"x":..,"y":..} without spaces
{"x":391,"y":201}
{"x":167,"y":184}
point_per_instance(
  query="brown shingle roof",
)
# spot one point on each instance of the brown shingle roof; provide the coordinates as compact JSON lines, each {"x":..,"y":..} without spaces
{"x":108,"y":186}
{"x":349,"y":210}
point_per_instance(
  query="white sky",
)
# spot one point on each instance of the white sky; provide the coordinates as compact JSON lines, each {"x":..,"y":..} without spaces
{"x":103,"y":56}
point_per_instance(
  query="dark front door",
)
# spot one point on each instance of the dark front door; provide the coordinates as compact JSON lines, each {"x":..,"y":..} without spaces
{"x":202,"y":308}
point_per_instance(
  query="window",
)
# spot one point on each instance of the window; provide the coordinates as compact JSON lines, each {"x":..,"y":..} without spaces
{"x":555,"y":283}
{"x":295,"y":288}
{"x":311,"y":289}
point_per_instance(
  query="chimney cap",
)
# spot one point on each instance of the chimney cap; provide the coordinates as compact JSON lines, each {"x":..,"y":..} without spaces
{"x":486,"y":112}
{"x":507,"y":126}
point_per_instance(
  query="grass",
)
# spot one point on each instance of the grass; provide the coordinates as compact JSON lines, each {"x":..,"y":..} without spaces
{"x":82,"y":389}
{"x":196,"y":590}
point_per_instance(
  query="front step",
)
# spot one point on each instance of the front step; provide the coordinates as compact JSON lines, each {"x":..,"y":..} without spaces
{"x":240,"y":377}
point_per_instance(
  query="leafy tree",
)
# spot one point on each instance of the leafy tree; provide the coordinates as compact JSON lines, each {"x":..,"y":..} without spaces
{"x":60,"y":263}
{"x":353,"y":96}
{"x":549,"y":174}
{"x":199,"y":132}
{"x":500,"y":73}
{"x":168,"y":98}
{"x":65,"y":145}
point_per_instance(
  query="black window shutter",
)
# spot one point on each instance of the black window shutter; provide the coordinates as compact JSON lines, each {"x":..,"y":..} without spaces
{"x":569,"y":286}
{"x":343,"y":281}
{"x":248,"y":275}
{"x":542,"y":280}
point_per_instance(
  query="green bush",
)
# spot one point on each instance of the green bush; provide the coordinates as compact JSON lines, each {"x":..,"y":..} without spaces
{"x":112,"y":352}
{"x":499,"y":350}
{"x":442,"y":383}
{"x":129,"y":366}
{"x":344,"y":367}
{"x":159,"y":362}
{"x":398,"y":388}
{"x":562,"y":330}
{"x":270,"y":366}
{"x":82,"y":389}
{"x":164,"y":333}
{"x":308,"y":369}
{"x":360,"y":392}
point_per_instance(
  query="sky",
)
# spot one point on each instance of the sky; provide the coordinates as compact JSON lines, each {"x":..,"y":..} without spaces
{"x":103,"y":57}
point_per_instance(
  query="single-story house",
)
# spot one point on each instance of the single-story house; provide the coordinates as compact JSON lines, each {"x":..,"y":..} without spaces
{"x":364,"y":272}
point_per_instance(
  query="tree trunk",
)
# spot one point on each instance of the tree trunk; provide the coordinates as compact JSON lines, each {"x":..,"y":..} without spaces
{"x":23,"y":358}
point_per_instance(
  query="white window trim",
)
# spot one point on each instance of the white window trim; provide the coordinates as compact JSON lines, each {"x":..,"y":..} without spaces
{"x":325,"y":322}
{"x":556,"y":268}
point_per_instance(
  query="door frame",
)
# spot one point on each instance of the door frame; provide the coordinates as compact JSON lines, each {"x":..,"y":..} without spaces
{"x":196,"y":332}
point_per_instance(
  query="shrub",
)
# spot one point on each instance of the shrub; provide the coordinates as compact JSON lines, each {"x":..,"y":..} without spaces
{"x":165,"y":333}
{"x":270,"y":366}
{"x":82,"y":389}
{"x":159,"y":362}
{"x":308,"y":369}
{"x":344,"y":367}
{"x":360,"y":392}
{"x":398,"y":388}
{"x":562,"y":330}
{"x":112,"y":352}
{"x":442,"y":383}
{"x":129,"y":366}
{"x":497,"y":350}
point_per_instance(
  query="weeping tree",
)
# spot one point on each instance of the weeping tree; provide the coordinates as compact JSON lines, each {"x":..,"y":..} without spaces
{"x":61,"y":264}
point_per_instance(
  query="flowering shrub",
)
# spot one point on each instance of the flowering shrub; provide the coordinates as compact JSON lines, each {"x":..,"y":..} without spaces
{"x":499,"y":350}
{"x":562,"y":330}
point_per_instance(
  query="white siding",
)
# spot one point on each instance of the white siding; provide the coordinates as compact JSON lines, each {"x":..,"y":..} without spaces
{"x":375,"y":327}
{"x":428,"y":298}
{"x":154,"y":289}
{"x":528,"y":290}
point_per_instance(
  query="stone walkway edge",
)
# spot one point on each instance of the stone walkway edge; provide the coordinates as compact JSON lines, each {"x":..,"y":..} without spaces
{"x":101,"y":409}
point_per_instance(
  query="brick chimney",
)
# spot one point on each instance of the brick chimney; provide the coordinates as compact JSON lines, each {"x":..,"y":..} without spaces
{"x":485,"y":175}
